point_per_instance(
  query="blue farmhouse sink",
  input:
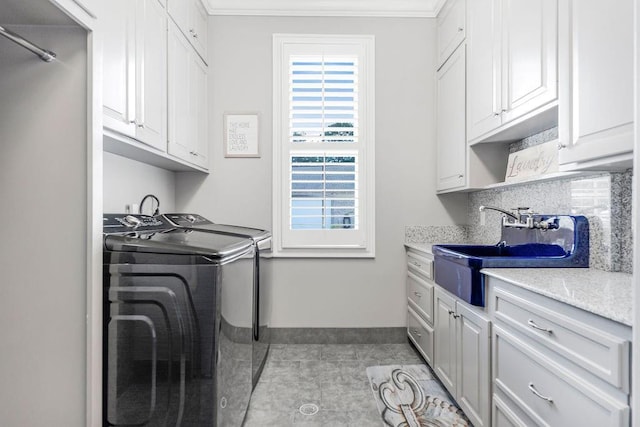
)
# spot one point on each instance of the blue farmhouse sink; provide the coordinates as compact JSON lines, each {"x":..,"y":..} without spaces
{"x":457,"y":267}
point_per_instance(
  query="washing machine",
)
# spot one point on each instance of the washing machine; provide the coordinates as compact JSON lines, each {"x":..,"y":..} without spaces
{"x":169,"y":358}
{"x":262,"y":277}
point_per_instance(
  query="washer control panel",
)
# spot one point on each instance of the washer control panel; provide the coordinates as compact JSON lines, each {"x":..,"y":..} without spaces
{"x":186,"y":220}
{"x":116,"y":223}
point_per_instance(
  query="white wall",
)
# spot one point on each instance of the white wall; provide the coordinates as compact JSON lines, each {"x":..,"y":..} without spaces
{"x":127,"y":181}
{"x":43,"y":251}
{"x":329,"y":292}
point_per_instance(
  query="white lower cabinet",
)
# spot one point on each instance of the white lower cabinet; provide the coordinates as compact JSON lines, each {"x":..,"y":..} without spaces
{"x":462,"y":354}
{"x":555,"y":365}
{"x":421,"y":334}
{"x":419,"y":285}
{"x":547,"y":393}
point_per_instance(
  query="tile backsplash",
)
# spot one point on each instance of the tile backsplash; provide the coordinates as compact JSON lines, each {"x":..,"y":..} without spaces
{"x":604,"y":198}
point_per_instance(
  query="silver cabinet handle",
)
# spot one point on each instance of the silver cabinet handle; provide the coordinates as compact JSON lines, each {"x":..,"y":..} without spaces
{"x":456,"y":316}
{"x":415,"y":332}
{"x":460,"y":29}
{"x":416,"y":263}
{"x":533,"y":390}
{"x":451,"y":312}
{"x":418,"y":294}
{"x":561,"y":145}
{"x":533,"y":324}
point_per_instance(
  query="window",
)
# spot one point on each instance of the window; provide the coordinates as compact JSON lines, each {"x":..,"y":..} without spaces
{"x":323,"y":146}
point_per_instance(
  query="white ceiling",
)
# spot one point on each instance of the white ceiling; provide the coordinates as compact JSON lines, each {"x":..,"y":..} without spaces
{"x":372,"y":8}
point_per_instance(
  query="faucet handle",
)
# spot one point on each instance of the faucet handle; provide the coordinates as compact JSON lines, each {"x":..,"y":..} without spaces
{"x":523,"y":210}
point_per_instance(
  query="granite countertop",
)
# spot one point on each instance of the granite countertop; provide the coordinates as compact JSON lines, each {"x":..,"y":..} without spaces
{"x":607,"y":294}
{"x":604,"y":293}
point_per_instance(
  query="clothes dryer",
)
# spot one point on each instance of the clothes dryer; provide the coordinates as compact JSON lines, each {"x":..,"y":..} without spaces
{"x":262,"y":278}
{"x":168,"y":359}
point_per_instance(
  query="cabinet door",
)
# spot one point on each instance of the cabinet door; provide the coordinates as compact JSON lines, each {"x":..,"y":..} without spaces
{"x":180,"y":142}
{"x":484,"y":64}
{"x":117,"y":23}
{"x":451,"y":135}
{"x":151,"y":75}
{"x":199,"y":28}
{"x":444,"y":358}
{"x":596,"y":112}
{"x":530,"y":52}
{"x":199,"y":113}
{"x":452,"y":24}
{"x":89,"y":6}
{"x":473,"y":362}
{"x":179,"y":11}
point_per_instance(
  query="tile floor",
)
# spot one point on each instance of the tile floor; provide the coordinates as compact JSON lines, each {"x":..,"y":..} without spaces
{"x":331,"y":376}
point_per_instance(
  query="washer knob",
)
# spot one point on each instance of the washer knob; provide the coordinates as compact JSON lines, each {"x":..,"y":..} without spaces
{"x":132,"y":221}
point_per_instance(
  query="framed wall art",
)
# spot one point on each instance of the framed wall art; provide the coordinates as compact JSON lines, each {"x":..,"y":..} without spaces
{"x":241,"y":135}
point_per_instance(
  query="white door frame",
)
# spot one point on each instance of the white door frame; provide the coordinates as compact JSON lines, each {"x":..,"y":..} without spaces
{"x":93,"y":392}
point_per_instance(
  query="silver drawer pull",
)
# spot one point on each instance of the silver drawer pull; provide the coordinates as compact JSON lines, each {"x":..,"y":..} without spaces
{"x":418,"y":294}
{"x":533,"y":324}
{"x":533,"y":390}
{"x":416,"y":333}
{"x":417,"y":264}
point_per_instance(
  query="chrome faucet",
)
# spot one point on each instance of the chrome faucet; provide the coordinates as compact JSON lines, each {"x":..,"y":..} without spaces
{"x":522,"y":217}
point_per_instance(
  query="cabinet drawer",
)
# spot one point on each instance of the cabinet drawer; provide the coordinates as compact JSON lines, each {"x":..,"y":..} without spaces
{"x":420,"y":294}
{"x":420,"y":265}
{"x":546,"y":392}
{"x":503,"y":416}
{"x":421,"y":334}
{"x":595,"y":350}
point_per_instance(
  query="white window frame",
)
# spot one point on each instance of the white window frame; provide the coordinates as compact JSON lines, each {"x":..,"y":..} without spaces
{"x":324,"y":243}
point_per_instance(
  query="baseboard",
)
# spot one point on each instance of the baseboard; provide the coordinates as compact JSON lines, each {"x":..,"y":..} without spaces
{"x":338,"y":335}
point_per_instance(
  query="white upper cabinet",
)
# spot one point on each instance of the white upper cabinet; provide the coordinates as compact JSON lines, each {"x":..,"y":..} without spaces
{"x":89,"y":6}
{"x":151,"y":73}
{"x":450,"y":113}
{"x":596,"y":98}
{"x":134,"y":64}
{"x":452,"y":24}
{"x":117,"y":22}
{"x":187,"y":101}
{"x":512,"y":64}
{"x":191,"y":17}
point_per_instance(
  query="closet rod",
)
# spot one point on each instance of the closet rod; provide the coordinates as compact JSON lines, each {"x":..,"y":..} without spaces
{"x":43,"y":54}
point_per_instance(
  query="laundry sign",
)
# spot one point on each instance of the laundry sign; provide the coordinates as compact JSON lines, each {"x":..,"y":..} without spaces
{"x":534,"y":161}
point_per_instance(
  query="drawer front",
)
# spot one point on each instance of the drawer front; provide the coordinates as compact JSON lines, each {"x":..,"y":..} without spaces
{"x":421,"y":334}
{"x":597,"y":351}
{"x":503,"y":416}
{"x":420,"y":265}
{"x":420,"y":294}
{"x":546,"y":392}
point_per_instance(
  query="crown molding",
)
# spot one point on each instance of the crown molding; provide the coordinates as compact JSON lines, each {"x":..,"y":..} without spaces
{"x":365,"y":8}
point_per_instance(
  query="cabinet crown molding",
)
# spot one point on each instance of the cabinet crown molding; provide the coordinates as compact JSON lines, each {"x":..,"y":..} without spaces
{"x":369,"y":8}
